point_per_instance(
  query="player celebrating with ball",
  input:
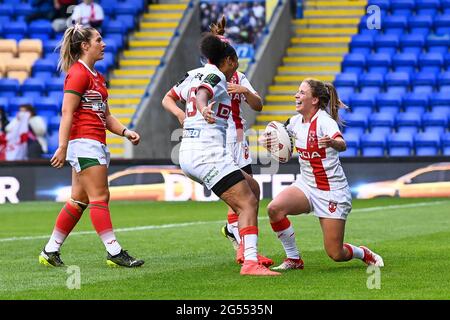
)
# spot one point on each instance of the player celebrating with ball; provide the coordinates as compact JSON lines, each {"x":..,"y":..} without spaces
{"x":322,"y":186}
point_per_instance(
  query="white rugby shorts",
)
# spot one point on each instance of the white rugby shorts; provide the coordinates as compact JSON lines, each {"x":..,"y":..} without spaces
{"x":207,"y":165}
{"x":334,"y":204}
{"x":240,"y":152}
{"x":84,"y":153}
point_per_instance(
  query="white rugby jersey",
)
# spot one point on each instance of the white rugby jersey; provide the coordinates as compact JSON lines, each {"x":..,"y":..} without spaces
{"x":320,"y":167}
{"x":236,"y":123}
{"x":196,"y":129}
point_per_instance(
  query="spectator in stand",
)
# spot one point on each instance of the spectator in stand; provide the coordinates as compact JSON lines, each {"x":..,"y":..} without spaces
{"x":3,"y":123}
{"x":89,"y":14}
{"x":37,"y":141}
{"x":245,"y":20}
{"x":26,"y":135}
{"x":56,"y":11}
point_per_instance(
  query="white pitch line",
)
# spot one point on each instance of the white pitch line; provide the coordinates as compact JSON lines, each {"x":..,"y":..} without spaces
{"x":187,"y":224}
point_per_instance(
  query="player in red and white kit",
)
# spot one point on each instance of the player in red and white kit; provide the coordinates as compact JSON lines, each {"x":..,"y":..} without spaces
{"x":82,"y":142}
{"x":240,"y":90}
{"x":322,"y":186}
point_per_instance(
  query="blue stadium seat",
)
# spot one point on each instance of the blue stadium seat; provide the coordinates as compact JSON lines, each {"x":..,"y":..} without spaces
{"x":102,"y":67}
{"x":384,"y":5}
{"x":378,"y":63}
{"x":447,"y":61}
{"x":427,"y":7}
{"x":4,"y":20}
{"x":444,"y":81}
{"x":400,"y":144}
{"x":372,"y":145}
{"x":442,"y":24}
{"x":381,"y":122}
{"x":346,"y":80}
{"x":44,"y":65}
{"x":114,"y":26}
{"x":16,"y":102}
{"x":397,"y":82}
{"x":386,"y":43}
{"x":395,"y":25}
{"x":9,"y":87}
{"x":440,"y":99}
{"x":33,"y":87}
{"x":415,"y":102}
{"x":412,"y":43}
{"x":22,"y":10}
{"x":49,"y":104}
{"x":444,"y":110}
{"x":41,"y":29}
{"x":404,"y":62}
{"x":355,"y":123}
{"x":57,"y":95}
{"x":408,"y":122}
{"x":445,"y":143}
{"x":423,"y":82}
{"x":128,"y":20}
{"x":362,"y":103}
{"x":361,"y":44}
{"x":15,"y":30}
{"x":389,"y":103}
{"x":122,"y":8}
{"x":53,"y":142}
{"x":439,"y":44}
{"x":445,"y":5}
{"x":370,"y":27}
{"x":402,"y":7}
{"x":55,"y":84}
{"x":420,"y":25}
{"x":53,"y":124}
{"x":4,"y":103}
{"x":111,"y":45}
{"x":434,"y":122}
{"x":431,"y":62}
{"x":352,"y":142}
{"x":427,"y":144}
{"x":345,"y":97}
{"x":354,"y":63}
{"x":371,"y":82}
{"x":6,"y":10}
{"x":50,"y":46}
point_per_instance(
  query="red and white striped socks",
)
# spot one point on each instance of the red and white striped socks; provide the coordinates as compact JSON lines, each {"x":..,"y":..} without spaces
{"x":285,"y":232}
{"x":101,"y":220}
{"x":67,"y":218}
{"x":249,"y":239}
{"x":355,"y":252}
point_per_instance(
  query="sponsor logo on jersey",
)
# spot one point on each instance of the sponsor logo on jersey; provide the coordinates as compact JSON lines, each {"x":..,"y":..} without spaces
{"x":308,"y":155}
{"x":212,"y":79}
{"x":191,"y":133}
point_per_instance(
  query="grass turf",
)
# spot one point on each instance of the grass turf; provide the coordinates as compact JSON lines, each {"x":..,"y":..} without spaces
{"x":188,"y":258}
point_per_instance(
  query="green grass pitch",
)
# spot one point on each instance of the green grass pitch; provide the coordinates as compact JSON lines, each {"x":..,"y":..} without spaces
{"x":188,"y":258}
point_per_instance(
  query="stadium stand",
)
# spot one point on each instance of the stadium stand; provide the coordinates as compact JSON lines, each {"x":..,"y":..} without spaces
{"x":395,"y":79}
{"x":136,"y":35}
{"x":403,"y":67}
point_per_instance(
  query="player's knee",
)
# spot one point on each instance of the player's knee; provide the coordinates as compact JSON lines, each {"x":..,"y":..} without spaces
{"x":80,"y":205}
{"x":276,"y":211}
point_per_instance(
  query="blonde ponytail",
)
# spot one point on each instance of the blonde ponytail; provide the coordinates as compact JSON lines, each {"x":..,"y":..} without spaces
{"x":70,"y":45}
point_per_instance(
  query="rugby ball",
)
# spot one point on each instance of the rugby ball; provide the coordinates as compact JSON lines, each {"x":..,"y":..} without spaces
{"x":279,"y":142}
